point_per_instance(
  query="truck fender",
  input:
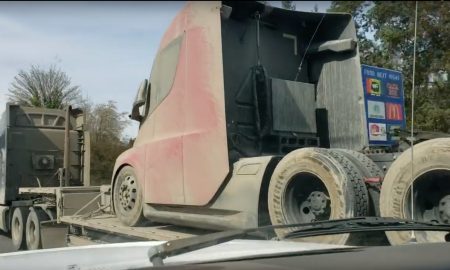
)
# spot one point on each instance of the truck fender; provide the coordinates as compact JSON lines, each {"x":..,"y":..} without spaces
{"x":246,"y":190}
{"x":49,"y":212}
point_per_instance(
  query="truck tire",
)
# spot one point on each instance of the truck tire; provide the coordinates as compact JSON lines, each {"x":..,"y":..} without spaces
{"x":33,"y":228}
{"x":18,"y":221}
{"x":128,"y":201}
{"x":312,"y":184}
{"x":431,"y":178}
{"x":356,"y":178}
{"x":368,"y":169}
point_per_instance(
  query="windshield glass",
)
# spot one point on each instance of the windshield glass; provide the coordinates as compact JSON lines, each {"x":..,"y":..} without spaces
{"x":282,"y":126}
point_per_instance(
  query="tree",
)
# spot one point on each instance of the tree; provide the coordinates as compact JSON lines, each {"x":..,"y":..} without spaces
{"x":105,"y":125}
{"x":43,"y":88}
{"x":105,"y":122}
{"x":288,"y":5}
{"x":392,"y":26}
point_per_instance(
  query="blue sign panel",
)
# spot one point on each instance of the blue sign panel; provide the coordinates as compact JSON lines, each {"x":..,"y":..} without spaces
{"x":384,"y":101}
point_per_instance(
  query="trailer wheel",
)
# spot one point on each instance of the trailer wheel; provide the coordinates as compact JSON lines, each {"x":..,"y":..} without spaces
{"x":368,"y":169}
{"x":33,"y":228}
{"x":431,"y":178}
{"x":128,"y":202}
{"x":18,"y":228}
{"x":313,"y":184}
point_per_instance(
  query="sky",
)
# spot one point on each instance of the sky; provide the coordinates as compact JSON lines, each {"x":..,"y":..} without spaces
{"x":107,"y":48}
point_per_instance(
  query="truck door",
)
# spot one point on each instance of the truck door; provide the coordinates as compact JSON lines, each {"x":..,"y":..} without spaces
{"x":164,"y":158}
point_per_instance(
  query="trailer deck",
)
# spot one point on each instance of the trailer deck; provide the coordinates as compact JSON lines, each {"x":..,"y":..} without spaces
{"x":107,"y":228}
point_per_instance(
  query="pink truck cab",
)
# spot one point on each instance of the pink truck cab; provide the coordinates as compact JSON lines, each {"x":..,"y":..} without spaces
{"x":238,"y":119}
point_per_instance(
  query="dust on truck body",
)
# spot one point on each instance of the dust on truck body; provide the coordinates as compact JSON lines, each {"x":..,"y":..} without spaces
{"x":243,"y":122}
{"x":42,"y":152}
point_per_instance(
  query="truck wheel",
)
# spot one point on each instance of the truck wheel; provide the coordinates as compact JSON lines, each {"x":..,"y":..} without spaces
{"x":313,"y":184}
{"x":368,"y":169}
{"x":33,"y":228}
{"x":431,"y":179}
{"x":18,"y":228}
{"x":128,"y":202}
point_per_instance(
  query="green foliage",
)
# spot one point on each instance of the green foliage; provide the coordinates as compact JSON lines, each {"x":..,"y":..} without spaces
{"x":392,"y":26}
{"x":38,"y":87}
{"x":105,"y":125}
{"x":103,"y":157}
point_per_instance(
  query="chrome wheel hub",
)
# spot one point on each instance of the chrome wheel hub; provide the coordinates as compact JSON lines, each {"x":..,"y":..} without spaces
{"x":128,"y":193}
{"x":314,"y":206}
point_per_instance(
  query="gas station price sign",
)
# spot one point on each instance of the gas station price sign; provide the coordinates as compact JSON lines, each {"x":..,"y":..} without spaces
{"x":384,"y":101}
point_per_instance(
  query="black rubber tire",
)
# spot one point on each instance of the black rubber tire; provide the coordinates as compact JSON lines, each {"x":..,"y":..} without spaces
{"x":368,"y":169}
{"x":335,"y":171}
{"x":33,"y":228}
{"x":356,"y":178}
{"x":131,"y":217}
{"x":429,"y":155}
{"x":18,"y":223}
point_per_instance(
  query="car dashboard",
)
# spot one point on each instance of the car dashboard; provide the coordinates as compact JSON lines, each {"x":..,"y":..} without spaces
{"x":410,"y":256}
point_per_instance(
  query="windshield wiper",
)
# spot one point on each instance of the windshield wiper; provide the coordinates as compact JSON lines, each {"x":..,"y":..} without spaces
{"x":364,"y":224}
{"x":328,"y":227}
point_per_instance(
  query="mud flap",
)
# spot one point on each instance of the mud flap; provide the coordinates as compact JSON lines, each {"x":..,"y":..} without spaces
{"x":54,"y":235}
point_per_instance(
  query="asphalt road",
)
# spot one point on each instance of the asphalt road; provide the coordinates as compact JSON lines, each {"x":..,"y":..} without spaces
{"x":5,"y":244}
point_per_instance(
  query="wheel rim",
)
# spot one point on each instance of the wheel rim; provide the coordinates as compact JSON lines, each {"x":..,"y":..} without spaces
{"x":431,"y":200}
{"x":306,"y":199}
{"x":431,"y":197}
{"x":128,"y":193}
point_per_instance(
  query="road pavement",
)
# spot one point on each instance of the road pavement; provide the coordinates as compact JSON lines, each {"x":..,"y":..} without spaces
{"x":5,"y":244}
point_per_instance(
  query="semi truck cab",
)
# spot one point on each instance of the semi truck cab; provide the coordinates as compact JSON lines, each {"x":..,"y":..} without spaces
{"x":235,"y":88}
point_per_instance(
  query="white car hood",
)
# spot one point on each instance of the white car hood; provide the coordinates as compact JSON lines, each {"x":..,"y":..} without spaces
{"x":134,"y":254}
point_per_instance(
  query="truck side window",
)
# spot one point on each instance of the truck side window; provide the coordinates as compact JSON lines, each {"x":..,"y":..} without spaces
{"x":163,"y":72}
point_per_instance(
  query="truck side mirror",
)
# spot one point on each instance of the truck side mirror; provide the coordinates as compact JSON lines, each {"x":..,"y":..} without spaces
{"x":140,"y":101}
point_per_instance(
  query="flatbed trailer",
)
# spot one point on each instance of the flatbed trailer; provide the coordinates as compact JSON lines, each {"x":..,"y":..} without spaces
{"x":107,"y":228}
{"x":82,"y":216}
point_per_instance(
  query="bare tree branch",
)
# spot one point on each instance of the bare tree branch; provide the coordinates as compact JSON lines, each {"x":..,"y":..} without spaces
{"x":43,"y":88}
